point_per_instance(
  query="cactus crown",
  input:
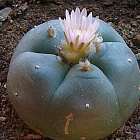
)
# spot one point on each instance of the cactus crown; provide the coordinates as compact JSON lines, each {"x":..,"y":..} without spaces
{"x":81,"y":35}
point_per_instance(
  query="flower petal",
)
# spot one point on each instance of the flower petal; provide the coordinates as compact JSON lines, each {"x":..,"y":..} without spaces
{"x":79,"y":27}
{"x":84,"y":12}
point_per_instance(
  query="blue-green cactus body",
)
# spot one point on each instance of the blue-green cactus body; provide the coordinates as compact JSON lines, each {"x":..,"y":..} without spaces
{"x":64,"y":102}
{"x":37,"y":39}
{"x":120,"y":66}
{"x":109,"y":34}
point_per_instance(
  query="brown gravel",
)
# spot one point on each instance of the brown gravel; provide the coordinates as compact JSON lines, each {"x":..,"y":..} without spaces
{"x":126,"y":20}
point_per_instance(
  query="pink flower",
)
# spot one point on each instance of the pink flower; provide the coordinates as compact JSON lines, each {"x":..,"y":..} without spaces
{"x":80,"y":28}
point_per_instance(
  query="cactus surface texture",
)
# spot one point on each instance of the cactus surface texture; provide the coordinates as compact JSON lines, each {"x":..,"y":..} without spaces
{"x":63,"y":101}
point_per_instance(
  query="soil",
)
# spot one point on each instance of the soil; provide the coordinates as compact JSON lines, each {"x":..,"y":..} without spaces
{"x":122,"y":15}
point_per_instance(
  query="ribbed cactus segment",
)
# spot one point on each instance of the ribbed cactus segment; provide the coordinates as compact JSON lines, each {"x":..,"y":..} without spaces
{"x":82,"y":101}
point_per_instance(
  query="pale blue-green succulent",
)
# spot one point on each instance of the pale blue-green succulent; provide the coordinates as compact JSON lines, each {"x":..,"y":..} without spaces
{"x":64,"y":101}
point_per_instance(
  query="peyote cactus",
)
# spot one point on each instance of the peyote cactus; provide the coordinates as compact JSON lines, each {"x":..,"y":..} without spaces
{"x":74,"y":79}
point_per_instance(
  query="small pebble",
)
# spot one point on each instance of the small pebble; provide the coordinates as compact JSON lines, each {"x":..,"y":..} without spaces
{"x":24,"y":7}
{"x":83,"y":138}
{"x":138,"y":135}
{"x":138,"y":126}
{"x":32,"y":137}
{"x":108,"y":2}
{"x":138,"y":17}
{"x":136,"y":40}
{"x":5,"y":86}
{"x":16,"y":94}
{"x":2,"y":119}
{"x":4,"y":13}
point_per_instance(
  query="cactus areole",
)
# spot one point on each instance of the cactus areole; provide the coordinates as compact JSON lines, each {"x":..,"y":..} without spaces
{"x":74,"y":78}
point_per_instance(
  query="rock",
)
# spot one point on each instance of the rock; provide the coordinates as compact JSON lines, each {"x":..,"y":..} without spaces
{"x":2,"y":119}
{"x":4,"y":13}
{"x":134,"y":23}
{"x":32,"y":137}
{"x":138,"y":135}
{"x":133,"y":3}
{"x":56,"y":2}
{"x":138,"y":126}
{"x":108,"y":2}
{"x":138,"y":17}
{"x":0,"y":24}
{"x":136,"y":40}
{"x":23,"y":7}
{"x":4,"y":2}
{"x":5,"y":86}
{"x":118,"y":139}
